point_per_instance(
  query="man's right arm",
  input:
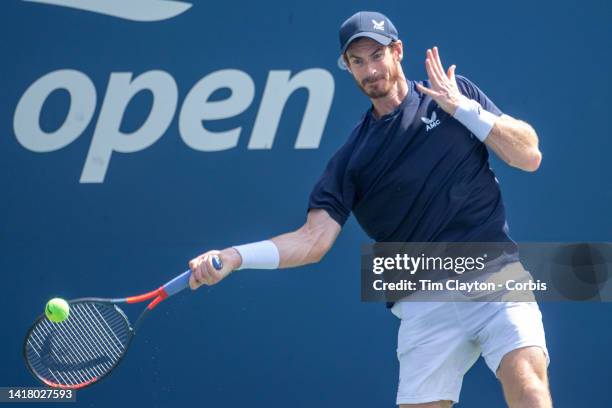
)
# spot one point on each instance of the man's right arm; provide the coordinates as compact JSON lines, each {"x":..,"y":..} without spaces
{"x":308,"y":244}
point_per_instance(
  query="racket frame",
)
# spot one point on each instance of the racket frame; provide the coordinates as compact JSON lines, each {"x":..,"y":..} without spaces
{"x":158,"y":295}
{"x":170,"y":288}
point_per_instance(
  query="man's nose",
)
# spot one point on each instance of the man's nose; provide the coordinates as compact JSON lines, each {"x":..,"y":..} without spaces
{"x":371,"y":69}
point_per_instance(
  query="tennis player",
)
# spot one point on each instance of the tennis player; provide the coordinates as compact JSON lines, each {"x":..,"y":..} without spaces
{"x":415,"y":169}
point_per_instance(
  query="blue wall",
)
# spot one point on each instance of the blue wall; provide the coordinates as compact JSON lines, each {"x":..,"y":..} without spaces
{"x":301,"y":336}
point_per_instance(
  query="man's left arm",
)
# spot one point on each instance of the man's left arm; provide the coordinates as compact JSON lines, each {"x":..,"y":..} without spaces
{"x":513,"y":140}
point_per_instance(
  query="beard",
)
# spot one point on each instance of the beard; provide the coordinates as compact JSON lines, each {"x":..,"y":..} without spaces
{"x":378,"y":86}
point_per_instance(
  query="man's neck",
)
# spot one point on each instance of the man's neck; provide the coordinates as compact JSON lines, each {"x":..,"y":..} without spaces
{"x":383,"y":106}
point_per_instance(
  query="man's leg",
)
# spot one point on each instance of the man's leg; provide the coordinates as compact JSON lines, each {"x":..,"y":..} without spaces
{"x":522,"y":373}
{"x":433,"y":352}
{"x":513,"y":343}
{"x":437,"y":404}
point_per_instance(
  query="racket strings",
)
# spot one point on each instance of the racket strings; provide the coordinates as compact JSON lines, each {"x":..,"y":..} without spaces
{"x":82,"y":348}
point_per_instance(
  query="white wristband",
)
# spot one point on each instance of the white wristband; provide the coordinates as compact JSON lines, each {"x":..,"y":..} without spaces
{"x":258,"y":255}
{"x":477,"y":120}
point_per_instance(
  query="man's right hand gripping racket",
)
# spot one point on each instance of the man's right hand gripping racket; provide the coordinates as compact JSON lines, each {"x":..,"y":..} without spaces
{"x":91,"y":342}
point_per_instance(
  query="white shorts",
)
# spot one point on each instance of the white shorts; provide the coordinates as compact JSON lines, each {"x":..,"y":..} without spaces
{"x":438,"y":342}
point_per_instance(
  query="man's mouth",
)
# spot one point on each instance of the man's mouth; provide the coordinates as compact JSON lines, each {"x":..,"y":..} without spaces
{"x":373,"y":80}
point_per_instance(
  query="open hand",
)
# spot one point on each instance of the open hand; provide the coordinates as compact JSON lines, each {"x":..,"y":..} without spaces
{"x":444,"y":90}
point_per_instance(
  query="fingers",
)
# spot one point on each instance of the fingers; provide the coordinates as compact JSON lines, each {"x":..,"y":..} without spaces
{"x":438,"y":62}
{"x":451,"y":73}
{"x":203,"y":271}
{"x":433,"y":75}
{"x":195,"y":278}
{"x":435,"y":70}
{"x":199,"y":274}
{"x":192,"y":282}
{"x":426,"y":90}
{"x":443,"y":85}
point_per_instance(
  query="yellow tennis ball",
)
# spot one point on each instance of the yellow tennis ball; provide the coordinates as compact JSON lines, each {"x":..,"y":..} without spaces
{"x":57,"y":310}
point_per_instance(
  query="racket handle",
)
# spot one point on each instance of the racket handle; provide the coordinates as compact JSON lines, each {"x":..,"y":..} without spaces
{"x":181,"y":282}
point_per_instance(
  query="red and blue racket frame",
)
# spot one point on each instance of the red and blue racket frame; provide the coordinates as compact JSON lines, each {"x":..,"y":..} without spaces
{"x":170,"y":288}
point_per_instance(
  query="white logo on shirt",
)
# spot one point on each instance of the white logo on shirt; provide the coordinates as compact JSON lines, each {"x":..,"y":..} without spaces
{"x":431,"y":122}
{"x":379,"y":26}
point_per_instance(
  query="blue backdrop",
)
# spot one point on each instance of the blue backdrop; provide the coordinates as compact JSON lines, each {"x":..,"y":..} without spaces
{"x":153,"y":201}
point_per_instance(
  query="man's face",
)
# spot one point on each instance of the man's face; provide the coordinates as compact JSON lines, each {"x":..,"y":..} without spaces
{"x":374,"y":67}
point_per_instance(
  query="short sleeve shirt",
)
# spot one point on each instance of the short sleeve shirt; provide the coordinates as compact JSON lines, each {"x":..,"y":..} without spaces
{"x":416,"y":175}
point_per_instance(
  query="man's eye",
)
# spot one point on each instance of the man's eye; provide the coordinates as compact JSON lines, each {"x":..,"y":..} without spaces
{"x":377,"y":56}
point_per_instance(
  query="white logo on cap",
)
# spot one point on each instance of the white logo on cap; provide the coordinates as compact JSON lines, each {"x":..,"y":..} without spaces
{"x":379,"y":26}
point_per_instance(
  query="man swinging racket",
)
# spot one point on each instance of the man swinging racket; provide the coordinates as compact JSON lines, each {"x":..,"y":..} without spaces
{"x":415,"y":169}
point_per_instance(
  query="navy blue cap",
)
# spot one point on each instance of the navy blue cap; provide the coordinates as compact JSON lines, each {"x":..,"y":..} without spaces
{"x":366,"y":24}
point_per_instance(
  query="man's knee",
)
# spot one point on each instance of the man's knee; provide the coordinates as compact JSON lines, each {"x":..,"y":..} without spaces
{"x":535,"y":394}
{"x":520,"y":365}
{"x":436,"y":404}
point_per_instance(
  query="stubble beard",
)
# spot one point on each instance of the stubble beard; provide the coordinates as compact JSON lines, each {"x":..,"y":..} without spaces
{"x":380,"y":90}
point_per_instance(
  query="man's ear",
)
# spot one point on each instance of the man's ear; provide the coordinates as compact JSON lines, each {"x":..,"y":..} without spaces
{"x":400,"y":50}
{"x":346,"y":63}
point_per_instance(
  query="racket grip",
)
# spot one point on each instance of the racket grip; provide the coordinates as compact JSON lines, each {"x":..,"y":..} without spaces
{"x":181,"y":282}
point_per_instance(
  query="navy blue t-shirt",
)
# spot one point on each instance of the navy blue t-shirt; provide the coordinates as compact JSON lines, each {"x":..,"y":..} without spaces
{"x":416,"y":175}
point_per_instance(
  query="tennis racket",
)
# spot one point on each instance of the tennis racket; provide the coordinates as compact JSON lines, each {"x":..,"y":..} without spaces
{"x":91,"y":342}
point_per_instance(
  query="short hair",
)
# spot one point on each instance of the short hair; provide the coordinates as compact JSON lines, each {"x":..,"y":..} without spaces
{"x":391,"y":45}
